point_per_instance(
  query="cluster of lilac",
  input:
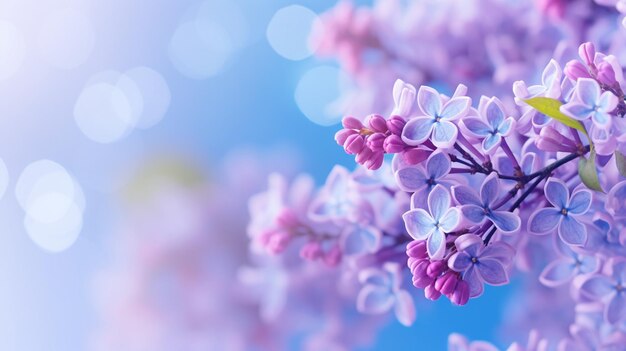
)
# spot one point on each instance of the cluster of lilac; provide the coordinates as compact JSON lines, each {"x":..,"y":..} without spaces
{"x":443,"y":43}
{"x":183,"y":278}
{"x":552,"y":168}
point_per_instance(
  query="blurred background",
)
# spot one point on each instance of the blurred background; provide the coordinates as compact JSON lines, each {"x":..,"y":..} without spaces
{"x":131,"y":127}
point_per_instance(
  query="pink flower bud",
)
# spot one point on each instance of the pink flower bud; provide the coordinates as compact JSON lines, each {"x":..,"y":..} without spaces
{"x":587,"y":52}
{"x":446,"y":284}
{"x":460,"y":296}
{"x":606,"y":74}
{"x":377,"y":123}
{"x":431,"y":293}
{"x":417,"y":249}
{"x":575,"y":70}
{"x":375,"y":161}
{"x":393,"y":144}
{"x":311,"y":251}
{"x":395,"y":125}
{"x":376,"y":142}
{"x":278,"y":242}
{"x":436,"y":268}
{"x":287,"y":218}
{"x":351,"y":123}
{"x":420,"y":278}
{"x":364,"y":155}
{"x":354,"y":144}
{"x":415,"y":156}
{"x":342,"y":135}
{"x":333,"y":256}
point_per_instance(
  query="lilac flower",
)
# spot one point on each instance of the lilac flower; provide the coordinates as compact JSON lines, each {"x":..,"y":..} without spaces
{"x":590,"y":101}
{"x":422,"y":225}
{"x":563,"y":214}
{"x":435,"y":123}
{"x":492,"y":128}
{"x":404,"y":98}
{"x":481,"y":264}
{"x":610,"y":288}
{"x":383,"y":291}
{"x":476,"y":209}
{"x":415,"y":179}
{"x":571,"y":264}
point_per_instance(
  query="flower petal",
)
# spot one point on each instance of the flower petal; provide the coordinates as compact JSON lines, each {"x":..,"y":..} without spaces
{"x":450,"y":220}
{"x":374,"y":300}
{"x":557,"y":272}
{"x":544,"y":221}
{"x":465,"y":195}
{"x":476,"y":126}
{"x":506,"y":222}
{"x":500,"y":251}
{"x":438,"y":202}
{"x":429,"y":101}
{"x":491,"y":142}
{"x":473,"y":213}
{"x":616,"y":309}
{"x":436,"y":245}
{"x":361,"y":240}
{"x":505,"y":127}
{"x":601,"y":119}
{"x":607,"y":102}
{"x":459,"y":262}
{"x":473,"y":279}
{"x":492,"y":271}
{"x":417,"y":130}
{"x":576,"y":110}
{"x":410,"y":178}
{"x":572,"y":232}
{"x":597,"y":287}
{"x":489,"y":189}
{"x":470,"y":243}
{"x":494,"y":114}
{"x":419,"y":224}
{"x":580,"y":202}
{"x":438,"y":165}
{"x":557,"y":193}
{"x":444,"y":134}
{"x":404,"y":308}
{"x":455,"y":108}
{"x":587,"y":91}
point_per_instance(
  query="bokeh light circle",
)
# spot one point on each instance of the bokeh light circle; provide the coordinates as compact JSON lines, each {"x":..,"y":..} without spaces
{"x":200,"y":52}
{"x":317,"y":94}
{"x":155,"y":94}
{"x":104,"y":113}
{"x":66,"y":38}
{"x":288,"y":32}
{"x":12,"y":49}
{"x":53,"y":203}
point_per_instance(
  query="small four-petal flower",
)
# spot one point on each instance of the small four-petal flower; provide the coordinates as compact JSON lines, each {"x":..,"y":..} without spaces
{"x":590,"y":101}
{"x":492,"y":128}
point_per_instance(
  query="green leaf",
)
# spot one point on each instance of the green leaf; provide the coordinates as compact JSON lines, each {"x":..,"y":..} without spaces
{"x":551,"y":108}
{"x":620,"y":161}
{"x":588,"y":172}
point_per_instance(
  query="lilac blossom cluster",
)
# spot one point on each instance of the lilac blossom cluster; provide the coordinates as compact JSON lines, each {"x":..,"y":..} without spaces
{"x":473,"y":192}
{"x":444,"y":42}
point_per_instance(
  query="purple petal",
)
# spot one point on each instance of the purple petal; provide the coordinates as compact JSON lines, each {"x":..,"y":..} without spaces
{"x":438,"y":165}
{"x":436,"y":245}
{"x":404,"y":308}
{"x":596,"y":287}
{"x":455,"y":108}
{"x":495,"y":115}
{"x":410,"y":179}
{"x":588,"y":264}
{"x":616,"y":310}
{"x":544,"y":221}
{"x":467,"y":196}
{"x":557,"y":193}
{"x":374,"y":300}
{"x":572,"y":232}
{"x":361,"y":240}
{"x":580,"y":202}
{"x":470,"y":243}
{"x":429,"y":101}
{"x":557,"y":273}
{"x":476,"y":126}
{"x":474,"y":281}
{"x":576,"y":110}
{"x":438,"y":202}
{"x":505,"y":127}
{"x":607,"y":102}
{"x":490,"y":142}
{"x":450,"y":220}
{"x":444,"y":134}
{"x":419,"y":224}
{"x":500,"y":251}
{"x":492,"y":272}
{"x":459,"y":262}
{"x":528,"y":162}
{"x":417,"y":130}
{"x":473,"y":213}
{"x":374,"y":276}
{"x":587,"y":91}
{"x":601,"y":119}
{"x":489,"y":189}
{"x":506,"y":222}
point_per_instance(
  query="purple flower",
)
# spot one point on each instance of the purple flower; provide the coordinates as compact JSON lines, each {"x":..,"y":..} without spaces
{"x":404,"y":98}
{"x":415,"y":179}
{"x":569,"y":265}
{"x":563,"y":214}
{"x":492,"y":128}
{"x":382,"y":291}
{"x":422,"y":225}
{"x":481,"y":264}
{"x":590,"y":101}
{"x":610,"y":288}
{"x":436,"y":122}
{"x":476,"y":209}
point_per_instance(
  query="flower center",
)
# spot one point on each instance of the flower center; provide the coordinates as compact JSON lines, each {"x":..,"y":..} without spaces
{"x":619,"y":287}
{"x":431,"y":181}
{"x":564,"y":211}
{"x":474,"y":260}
